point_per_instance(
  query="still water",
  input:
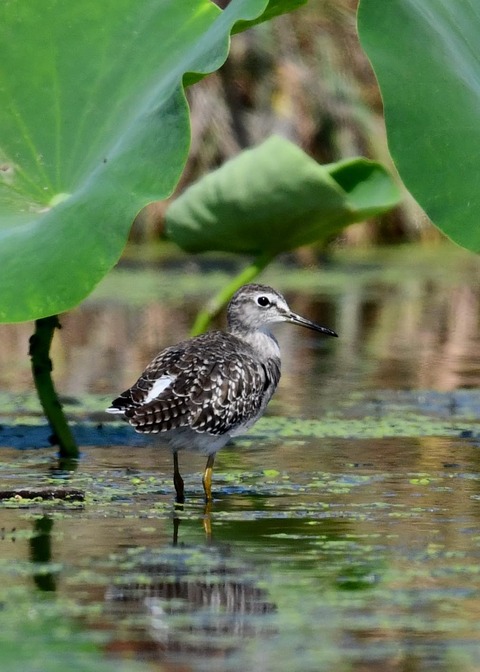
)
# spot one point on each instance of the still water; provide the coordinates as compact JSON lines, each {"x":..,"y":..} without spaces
{"x":345,"y":531}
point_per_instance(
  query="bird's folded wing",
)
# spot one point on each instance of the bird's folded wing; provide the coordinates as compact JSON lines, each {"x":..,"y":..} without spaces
{"x":210,"y":389}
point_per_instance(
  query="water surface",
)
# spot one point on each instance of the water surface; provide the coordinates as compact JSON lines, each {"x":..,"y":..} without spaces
{"x":345,"y":528}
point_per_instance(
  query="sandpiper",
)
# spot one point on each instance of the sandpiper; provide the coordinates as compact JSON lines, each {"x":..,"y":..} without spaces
{"x":202,"y":392}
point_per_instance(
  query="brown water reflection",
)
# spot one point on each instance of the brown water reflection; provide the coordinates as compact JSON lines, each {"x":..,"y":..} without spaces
{"x":355,"y":554}
{"x":416,"y":328}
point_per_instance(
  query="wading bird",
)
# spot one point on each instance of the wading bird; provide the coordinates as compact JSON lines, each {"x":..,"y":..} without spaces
{"x":200,"y":393}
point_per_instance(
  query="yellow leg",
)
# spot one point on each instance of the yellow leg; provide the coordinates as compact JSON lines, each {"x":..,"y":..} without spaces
{"x":207,"y":478}
{"x":178,"y":481}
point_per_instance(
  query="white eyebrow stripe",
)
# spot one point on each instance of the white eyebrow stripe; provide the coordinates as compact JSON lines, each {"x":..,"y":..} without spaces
{"x":158,"y":387}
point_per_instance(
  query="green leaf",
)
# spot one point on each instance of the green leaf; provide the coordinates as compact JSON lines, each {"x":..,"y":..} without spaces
{"x":275,"y":198}
{"x":275,"y":8}
{"x":426,"y":58}
{"x":94,"y":125}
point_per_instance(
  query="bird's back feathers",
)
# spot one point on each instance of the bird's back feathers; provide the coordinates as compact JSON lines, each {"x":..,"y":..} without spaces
{"x":213,"y":383}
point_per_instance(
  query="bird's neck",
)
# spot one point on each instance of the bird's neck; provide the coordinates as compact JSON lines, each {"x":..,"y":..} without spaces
{"x":262,"y":341}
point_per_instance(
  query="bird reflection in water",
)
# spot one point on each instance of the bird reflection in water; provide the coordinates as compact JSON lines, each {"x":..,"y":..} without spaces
{"x":197,"y":601}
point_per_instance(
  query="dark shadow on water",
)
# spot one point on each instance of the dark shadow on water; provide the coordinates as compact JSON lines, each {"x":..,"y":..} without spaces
{"x":41,"y":554}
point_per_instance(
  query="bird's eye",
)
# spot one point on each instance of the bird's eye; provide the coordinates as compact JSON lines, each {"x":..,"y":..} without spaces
{"x":263,"y":301}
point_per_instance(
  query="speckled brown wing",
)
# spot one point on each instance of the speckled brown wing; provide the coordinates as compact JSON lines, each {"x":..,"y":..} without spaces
{"x":212,"y":383}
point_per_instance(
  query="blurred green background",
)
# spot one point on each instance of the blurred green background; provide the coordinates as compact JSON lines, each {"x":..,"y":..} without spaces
{"x":305,"y":77}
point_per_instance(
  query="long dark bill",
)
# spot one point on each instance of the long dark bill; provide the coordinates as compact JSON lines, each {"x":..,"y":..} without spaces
{"x":301,"y":321}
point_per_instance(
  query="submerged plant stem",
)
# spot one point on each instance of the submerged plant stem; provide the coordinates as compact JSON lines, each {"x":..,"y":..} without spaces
{"x":39,"y":352}
{"x":218,"y":302}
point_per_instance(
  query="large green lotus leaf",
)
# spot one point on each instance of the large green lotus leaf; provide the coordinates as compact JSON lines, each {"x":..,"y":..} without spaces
{"x":93,"y":125}
{"x":275,"y":198}
{"x":426,"y":55}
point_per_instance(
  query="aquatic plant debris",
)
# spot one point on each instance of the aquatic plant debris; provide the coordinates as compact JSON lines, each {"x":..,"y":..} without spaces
{"x":43,"y":493}
{"x":388,"y":413}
